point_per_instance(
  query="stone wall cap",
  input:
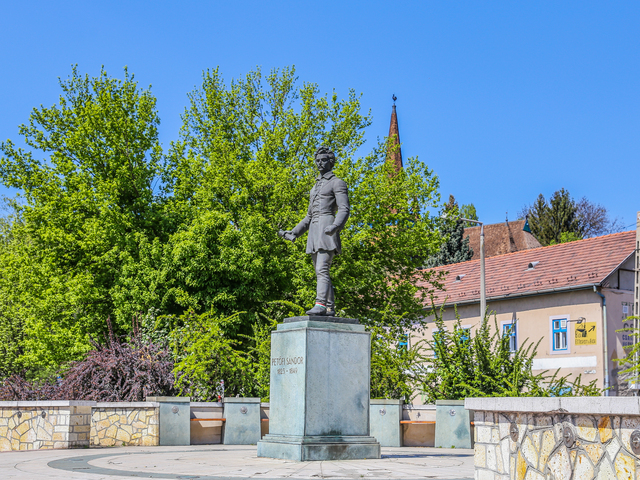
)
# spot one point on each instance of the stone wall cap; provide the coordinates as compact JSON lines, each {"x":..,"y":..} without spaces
{"x":48,"y":403}
{"x":575,"y":405}
{"x":449,"y":402}
{"x":265,"y":405}
{"x":127,"y":404}
{"x":207,"y":404}
{"x":169,"y":399}
{"x":241,"y":400}
{"x":409,"y":406}
{"x":385,"y":401}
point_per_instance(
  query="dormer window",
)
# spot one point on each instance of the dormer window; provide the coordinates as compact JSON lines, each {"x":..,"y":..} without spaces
{"x":460,"y":277}
{"x":532,"y":265}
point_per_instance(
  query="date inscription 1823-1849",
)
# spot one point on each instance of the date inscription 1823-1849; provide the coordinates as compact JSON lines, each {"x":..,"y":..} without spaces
{"x":286,"y":364}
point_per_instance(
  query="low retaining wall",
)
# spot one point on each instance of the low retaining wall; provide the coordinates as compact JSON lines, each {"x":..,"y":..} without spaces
{"x":558,"y":438}
{"x":43,"y":425}
{"x":124,"y":423}
{"x":71,"y":424}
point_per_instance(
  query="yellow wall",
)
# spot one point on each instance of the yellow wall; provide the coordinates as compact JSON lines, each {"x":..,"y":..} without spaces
{"x":534,"y":314}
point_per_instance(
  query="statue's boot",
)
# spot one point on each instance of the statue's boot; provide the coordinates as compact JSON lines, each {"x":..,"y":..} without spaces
{"x":317,"y":310}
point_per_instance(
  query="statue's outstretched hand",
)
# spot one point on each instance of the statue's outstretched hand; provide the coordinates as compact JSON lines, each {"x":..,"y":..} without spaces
{"x":330,"y":230}
{"x":287,"y":235}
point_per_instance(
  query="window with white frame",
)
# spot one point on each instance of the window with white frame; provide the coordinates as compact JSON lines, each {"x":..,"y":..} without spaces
{"x":509,"y":330}
{"x":560,"y":334}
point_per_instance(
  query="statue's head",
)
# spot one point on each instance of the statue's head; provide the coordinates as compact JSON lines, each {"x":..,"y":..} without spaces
{"x":325,"y":159}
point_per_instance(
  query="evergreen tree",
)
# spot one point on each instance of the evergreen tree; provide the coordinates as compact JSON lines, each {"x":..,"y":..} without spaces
{"x":550,"y":220}
{"x":455,"y":248}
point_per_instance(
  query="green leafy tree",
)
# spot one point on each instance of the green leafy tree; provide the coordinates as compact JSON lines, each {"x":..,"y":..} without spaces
{"x":206,"y":355}
{"x":465,"y":363}
{"x":93,"y":233}
{"x":86,"y":202}
{"x":244,"y":165}
{"x":16,"y":278}
{"x":469,"y":211}
{"x":566,"y":237}
{"x":455,"y":248}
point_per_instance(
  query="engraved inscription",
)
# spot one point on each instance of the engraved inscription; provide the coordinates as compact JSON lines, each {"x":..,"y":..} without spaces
{"x":286,"y":364}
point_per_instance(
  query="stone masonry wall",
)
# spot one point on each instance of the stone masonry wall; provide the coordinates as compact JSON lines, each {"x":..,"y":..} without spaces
{"x":554,"y":446}
{"x":38,"y":425}
{"x":119,"y":424}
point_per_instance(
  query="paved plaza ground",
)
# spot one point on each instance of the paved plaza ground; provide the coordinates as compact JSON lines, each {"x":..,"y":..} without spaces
{"x":213,"y":462}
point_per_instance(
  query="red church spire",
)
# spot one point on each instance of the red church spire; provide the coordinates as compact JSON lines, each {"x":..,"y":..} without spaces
{"x":394,"y":153}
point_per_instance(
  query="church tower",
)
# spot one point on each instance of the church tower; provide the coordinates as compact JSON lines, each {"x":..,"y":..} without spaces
{"x":394,"y":154}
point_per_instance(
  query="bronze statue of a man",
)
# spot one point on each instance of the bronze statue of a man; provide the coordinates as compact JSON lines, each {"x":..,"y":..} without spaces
{"x":327,"y":214}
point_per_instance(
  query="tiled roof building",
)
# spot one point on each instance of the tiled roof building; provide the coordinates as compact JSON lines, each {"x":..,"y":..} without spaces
{"x":500,"y":238}
{"x":574,"y":297}
{"x":573,"y":265}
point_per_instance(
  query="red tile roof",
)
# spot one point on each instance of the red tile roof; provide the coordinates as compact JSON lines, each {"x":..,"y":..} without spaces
{"x":500,"y":238}
{"x":573,"y":264}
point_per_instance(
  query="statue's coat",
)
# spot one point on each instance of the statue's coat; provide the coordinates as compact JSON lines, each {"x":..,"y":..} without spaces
{"x":328,"y":205}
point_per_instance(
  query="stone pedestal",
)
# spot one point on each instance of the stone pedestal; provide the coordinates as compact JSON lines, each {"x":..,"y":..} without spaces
{"x":319,"y":407}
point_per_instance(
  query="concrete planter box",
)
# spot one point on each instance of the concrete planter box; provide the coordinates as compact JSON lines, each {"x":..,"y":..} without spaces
{"x":242,"y":426}
{"x":453,"y":425}
{"x":384,"y":422}
{"x":174,"y":416}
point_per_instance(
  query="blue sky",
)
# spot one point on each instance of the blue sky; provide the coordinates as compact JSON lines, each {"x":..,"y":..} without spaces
{"x":503,"y":100}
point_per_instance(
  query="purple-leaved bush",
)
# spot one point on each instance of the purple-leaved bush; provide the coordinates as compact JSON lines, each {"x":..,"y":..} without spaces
{"x":116,"y":371}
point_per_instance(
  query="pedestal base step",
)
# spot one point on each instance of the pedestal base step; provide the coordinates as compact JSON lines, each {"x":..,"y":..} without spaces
{"x":316,"y":448}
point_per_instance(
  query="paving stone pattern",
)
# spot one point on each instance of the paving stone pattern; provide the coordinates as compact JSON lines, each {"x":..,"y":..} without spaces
{"x":224,"y":462}
{"x":124,"y":426}
{"x":601,"y":448}
{"x":33,"y":428}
